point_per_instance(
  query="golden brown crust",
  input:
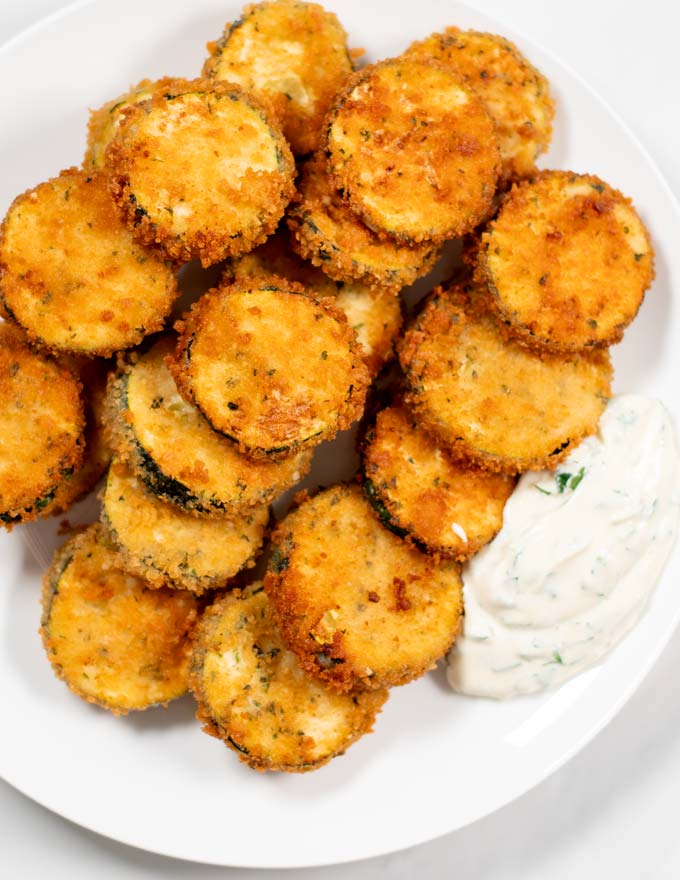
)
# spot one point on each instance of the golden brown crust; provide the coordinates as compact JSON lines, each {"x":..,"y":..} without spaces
{"x":291,"y":55}
{"x":104,"y":122}
{"x":200,"y":171}
{"x":173,"y":449}
{"x":359,"y":607}
{"x":253,"y":695}
{"x":413,"y":150}
{"x":169,"y":547}
{"x":515,"y":93}
{"x":374,"y":313}
{"x":114,"y":641}
{"x":451,"y":508}
{"x":93,"y":374}
{"x":566,"y":262}
{"x":270,"y":366}
{"x":72,"y":276}
{"x":328,"y":234}
{"x":491,"y":401}
{"x":41,"y":428}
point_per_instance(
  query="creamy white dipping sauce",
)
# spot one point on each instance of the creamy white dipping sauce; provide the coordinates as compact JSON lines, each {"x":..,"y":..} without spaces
{"x":580,"y":551}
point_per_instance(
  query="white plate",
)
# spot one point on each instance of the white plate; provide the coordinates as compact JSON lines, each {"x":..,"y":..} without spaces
{"x":436,"y":761}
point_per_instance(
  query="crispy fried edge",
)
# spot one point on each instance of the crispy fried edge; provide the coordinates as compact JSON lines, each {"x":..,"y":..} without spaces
{"x":210,"y":247}
{"x":123,"y":440}
{"x":36,"y":340}
{"x":191,"y":323}
{"x":311,"y":127}
{"x":211,"y":726}
{"x":388,"y":509}
{"x":509,"y":168}
{"x":457,"y":447}
{"x":508,"y":321}
{"x":50,"y":589}
{"x":342,"y":182}
{"x":288,"y":609}
{"x":155,"y":576}
{"x":70,"y":381}
{"x":310,"y":244}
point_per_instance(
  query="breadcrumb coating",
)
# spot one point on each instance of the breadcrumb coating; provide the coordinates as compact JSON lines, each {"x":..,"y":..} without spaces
{"x":253,"y":694}
{"x":567,"y":262}
{"x":491,"y":401}
{"x":270,"y":366}
{"x":514,"y":92}
{"x":42,"y":421}
{"x":373,"y":312}
{"x":170,"y":547}
{"x":72,"y":276}
{"x":358,"y":606}
{"x":173,"y":449}
{"x":200,"y":171}
{"x":328,"y":234}
{"x":413,"y":150}
{"x":451,"y":508}
{"x":292,"y":56}
{"x":112,"y":639}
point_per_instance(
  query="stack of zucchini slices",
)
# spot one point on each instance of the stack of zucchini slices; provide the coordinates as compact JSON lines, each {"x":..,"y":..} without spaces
{"x":204,"y":423}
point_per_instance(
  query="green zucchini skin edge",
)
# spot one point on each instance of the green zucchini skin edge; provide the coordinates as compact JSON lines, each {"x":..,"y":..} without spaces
{"x":383,"y":513}
{"x":53,"y":586}
{"x":159,"y":483}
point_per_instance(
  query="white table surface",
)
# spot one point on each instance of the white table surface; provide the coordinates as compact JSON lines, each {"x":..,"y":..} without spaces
{"x":612,"y":812}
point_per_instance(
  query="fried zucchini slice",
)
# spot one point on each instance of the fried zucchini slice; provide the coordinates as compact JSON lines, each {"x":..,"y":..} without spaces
{"x":93,"y":374}
{"x":112,"y":639}
{"x":291,"y":55}
{"x":359,"y":607}
{"x":270,"y":366}
{"x":253,"y":695}
{"x":104,"y":123}
{"x":200,"y":171}
{"x":418,"y":490}
{"x":515,"y":93}
{"x":567,"y":262}
{"x":72,"y":276}
{"x":41,"y":428}
{"x":374,"y":313}
{"x":328,"y":234}
{"x":491,"y":401}
{"x":414,"y":150}
{"x":169,"y":547}
{"x":175,"y":452}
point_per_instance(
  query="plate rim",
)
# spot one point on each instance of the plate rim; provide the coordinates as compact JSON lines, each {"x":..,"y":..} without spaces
{"x":633,"y":682}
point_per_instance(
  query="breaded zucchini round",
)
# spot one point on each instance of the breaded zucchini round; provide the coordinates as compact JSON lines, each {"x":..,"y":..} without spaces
{"x":270,"y":366}
{"x":93,"y":374}
{"x":516,"y":94}
{"x":200,"y":171}
{"x":414,"y":150}
{"x":418,"y":490}
{"x":490,"y":400}
{"x":72,"y":276}
{"x":41,"y":428}
{"x":328,"y":234}
{"x":374,"y":313}
{"x":567,"y":262}
{"x":112,"y":639}
{"x":168,"y":547}
{"x":359,"y":607}
{"x":253,"y":695}
{"x":291,"y":55}
{"x":175,"y":452}
{"x":104,"y":122}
